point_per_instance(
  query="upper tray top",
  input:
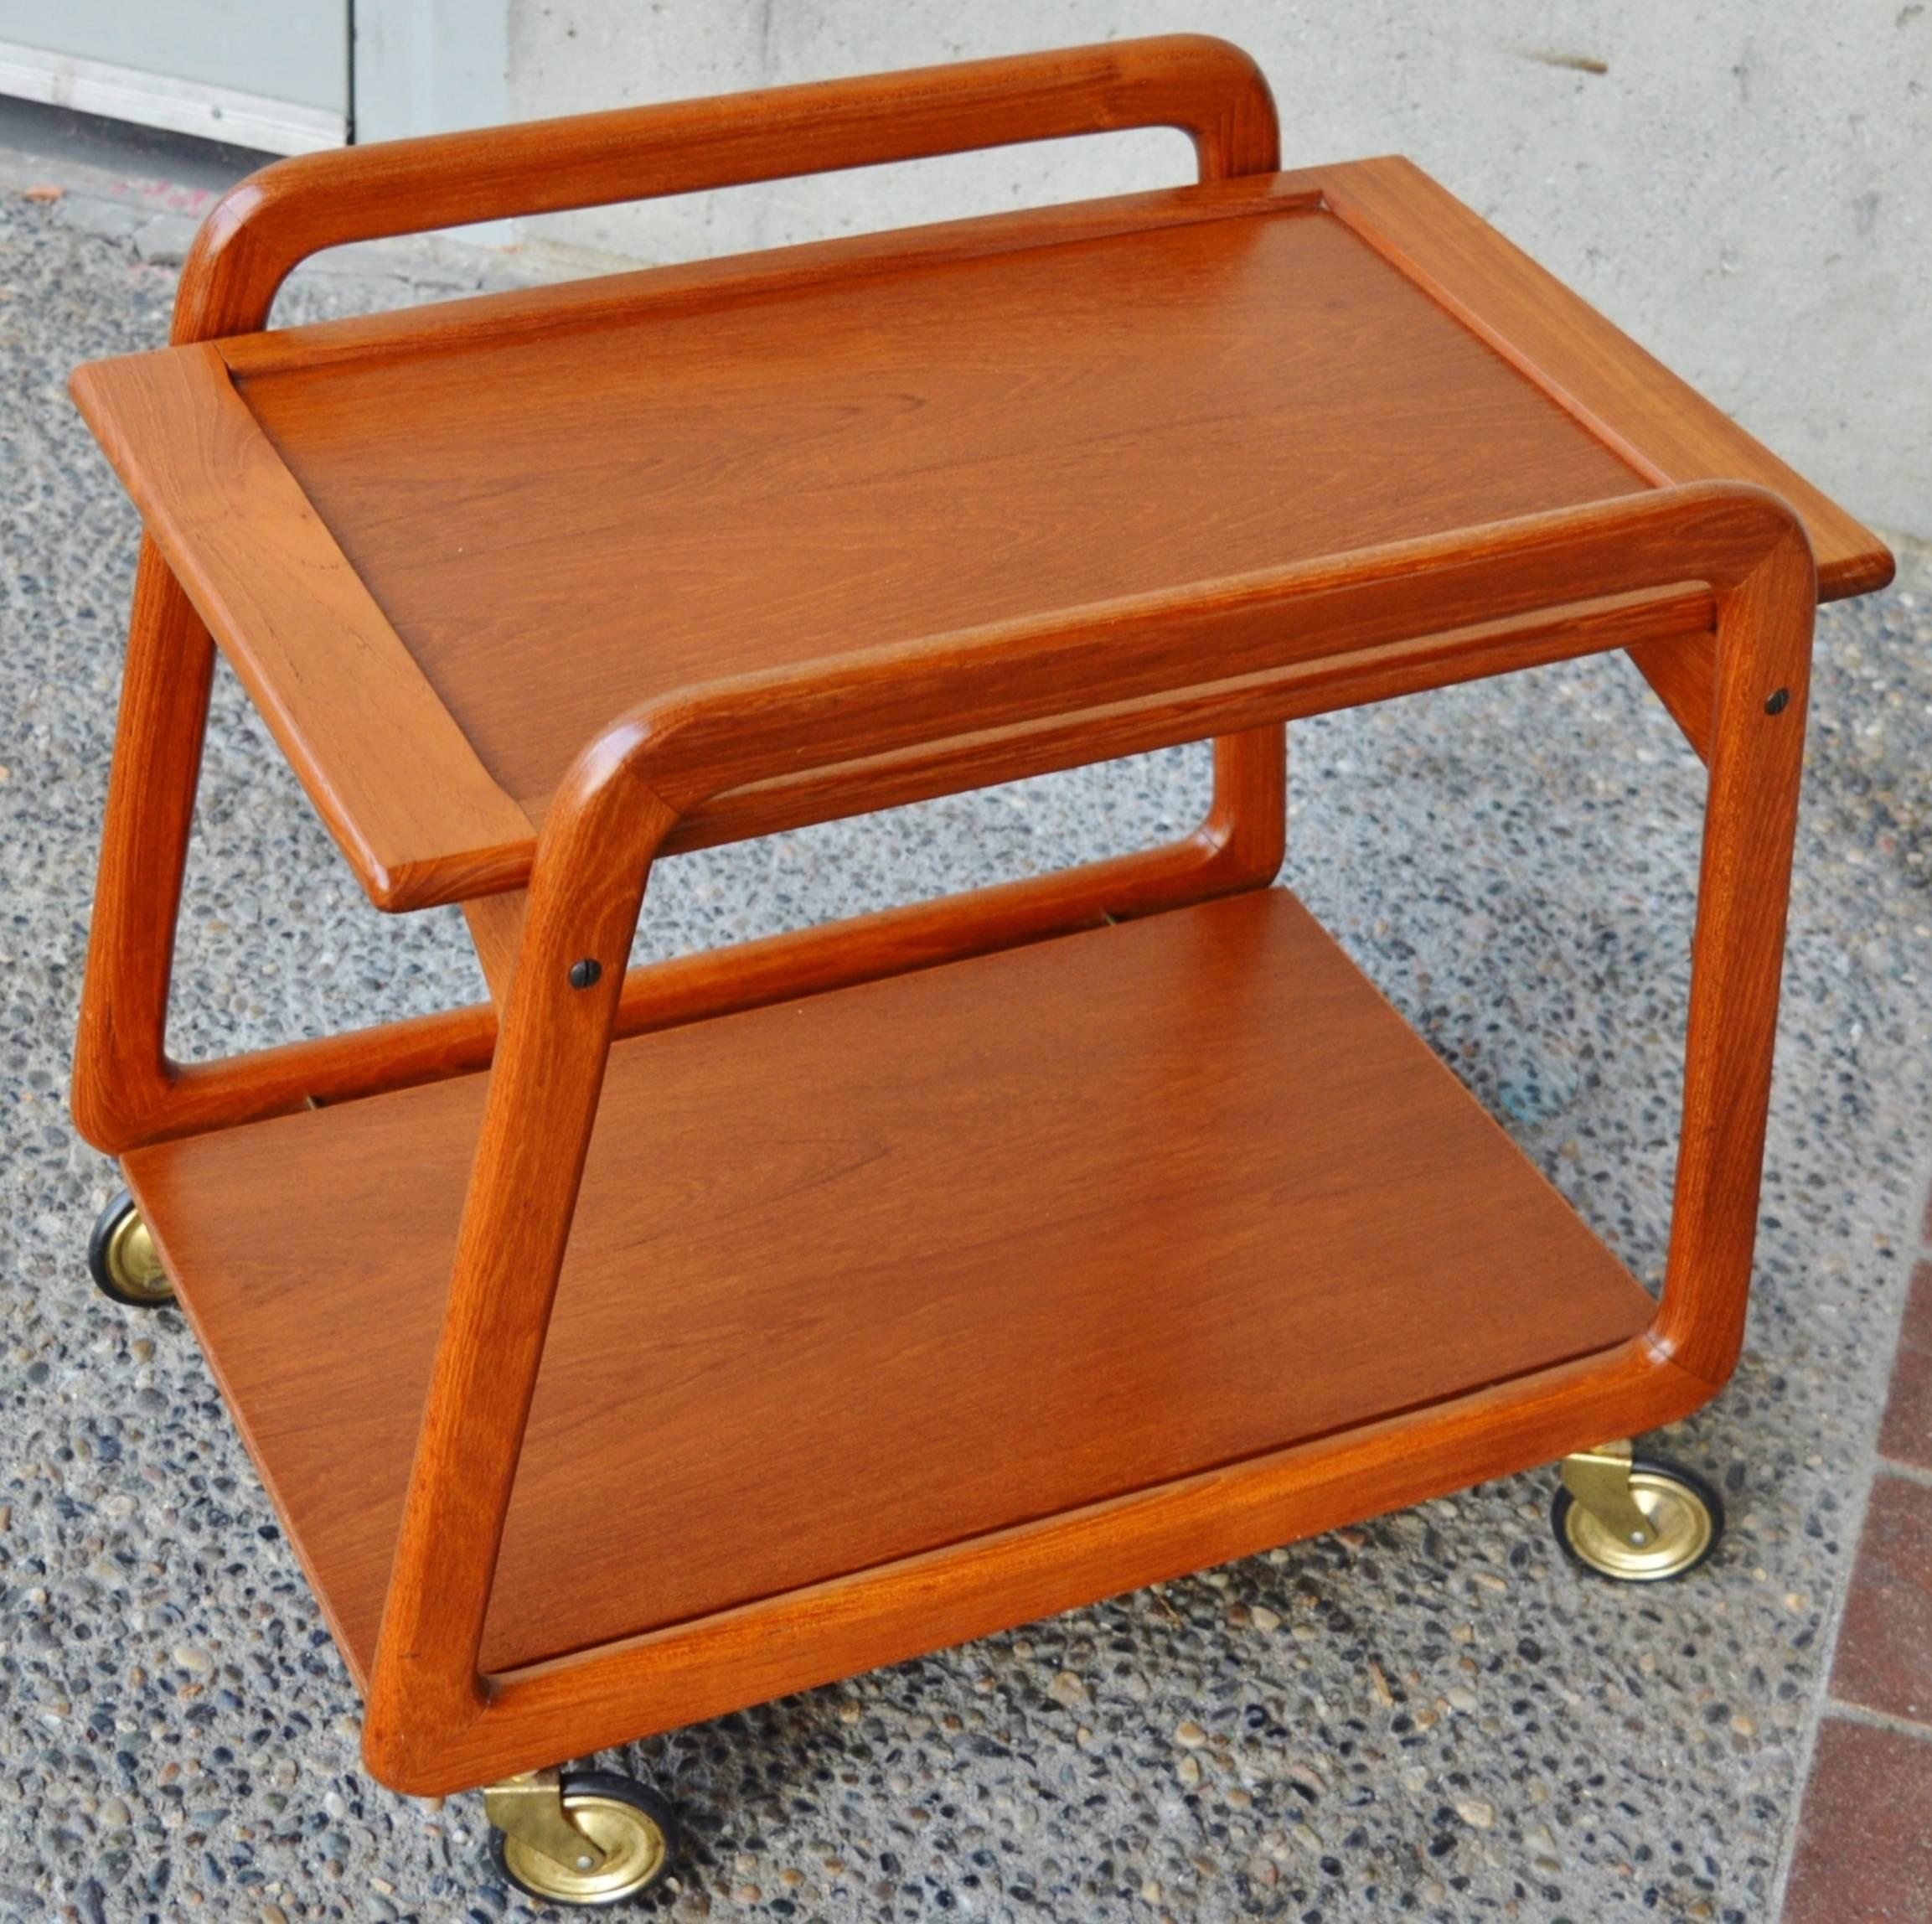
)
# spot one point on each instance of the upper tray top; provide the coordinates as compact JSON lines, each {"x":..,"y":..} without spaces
{"x":560,"y":526}
{"x":566,"y":502}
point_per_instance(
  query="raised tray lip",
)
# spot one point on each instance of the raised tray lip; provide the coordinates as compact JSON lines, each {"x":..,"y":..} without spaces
{"x":1376,"y":199}
{"x":175,"y":426}
{"x":487,"y":320}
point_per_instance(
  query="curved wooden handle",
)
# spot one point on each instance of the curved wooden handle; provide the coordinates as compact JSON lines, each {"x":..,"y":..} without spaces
{"x":268,"y":224}
{"x":1179,"y":643}
{"x":427,"y":1703}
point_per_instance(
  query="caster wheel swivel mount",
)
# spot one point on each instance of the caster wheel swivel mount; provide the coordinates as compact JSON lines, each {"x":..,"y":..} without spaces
{"x":580,"y":1837}
{"x":123,"y":1261}
{"x":1637,"y":1519}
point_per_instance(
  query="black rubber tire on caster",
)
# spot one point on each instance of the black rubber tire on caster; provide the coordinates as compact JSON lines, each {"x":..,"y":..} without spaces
{"x":637,"y":1824}
{"x":1687,"y":1513}
{"x":122,"y":1260}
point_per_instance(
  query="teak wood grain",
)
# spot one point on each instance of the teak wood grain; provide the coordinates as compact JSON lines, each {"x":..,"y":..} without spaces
{"x":1259,"y":360}
{"x":390,"y":772}
{"x":909,"y":1263}
{"x":429,"y":1696}
{"x":900,"y":456}
{"x":1671,"y":624}
{"x":1164,"y":659}
{"x":1660,"y":423}
{"x":1258,"y":441}
{"x":1238,"y":842}
{"x":127,"y":1088}
{"x":268,"y":225}
{"x":496,"y":927}
{"x":1131,"y":558}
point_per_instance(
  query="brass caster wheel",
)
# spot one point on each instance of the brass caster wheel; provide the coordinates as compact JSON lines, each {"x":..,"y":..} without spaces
{"x":1639,"y":1519}
{"x":121,"y":1259}
{"x":588,"y":1838}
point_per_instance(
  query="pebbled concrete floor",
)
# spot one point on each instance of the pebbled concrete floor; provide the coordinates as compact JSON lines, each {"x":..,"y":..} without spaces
{"x":1429,"y":1716}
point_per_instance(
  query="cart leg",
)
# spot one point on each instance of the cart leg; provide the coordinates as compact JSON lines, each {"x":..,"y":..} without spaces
{"x":1639,"y":1519}
{"x":1248,"y":817}
{"x":122,"y":1075}
{"x":1757,"y":755}
{"x":591,"y":1838}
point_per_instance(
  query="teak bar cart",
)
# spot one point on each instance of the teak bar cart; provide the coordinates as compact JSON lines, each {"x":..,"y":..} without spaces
{"x":666,"y":1339}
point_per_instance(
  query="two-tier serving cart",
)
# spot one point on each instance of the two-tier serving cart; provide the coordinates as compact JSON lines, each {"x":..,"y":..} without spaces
{"x":649,"y":1342}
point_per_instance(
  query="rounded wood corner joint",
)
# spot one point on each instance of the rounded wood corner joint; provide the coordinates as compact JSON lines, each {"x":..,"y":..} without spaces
{"x":115,"y":1110}
{"x":228,"y":283}
{"x":1662,"y":1354}
{"x":1704,"y":1354}
{"x":416,"y":1733}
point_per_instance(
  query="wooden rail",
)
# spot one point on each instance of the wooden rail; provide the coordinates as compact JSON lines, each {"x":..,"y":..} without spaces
{"x":1712,"y":584}
{"x":126,"y":1089}
{"x":432,"y":1718}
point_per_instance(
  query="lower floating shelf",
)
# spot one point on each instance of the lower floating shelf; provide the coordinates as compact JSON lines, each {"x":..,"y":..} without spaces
{"x":894,"y":1267}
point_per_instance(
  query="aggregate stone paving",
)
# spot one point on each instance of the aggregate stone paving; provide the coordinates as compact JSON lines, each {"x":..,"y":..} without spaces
{"x":1432,"y":1715}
